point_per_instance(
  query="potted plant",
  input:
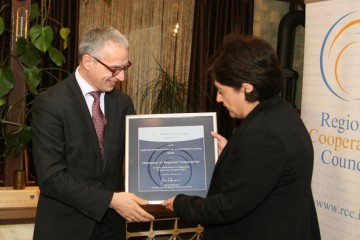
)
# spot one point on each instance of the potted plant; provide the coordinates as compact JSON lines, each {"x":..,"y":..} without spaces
{"x":29,"y":55}
{"x":166,"y":93}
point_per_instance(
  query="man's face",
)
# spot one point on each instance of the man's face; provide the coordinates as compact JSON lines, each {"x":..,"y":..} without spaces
{"x":100,"y":77}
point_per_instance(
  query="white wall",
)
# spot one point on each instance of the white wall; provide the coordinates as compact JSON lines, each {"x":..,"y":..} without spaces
{"x":16,"y":232}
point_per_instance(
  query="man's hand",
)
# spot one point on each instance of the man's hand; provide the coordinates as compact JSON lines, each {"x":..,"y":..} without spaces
{"x":128,"y":206}
{"x":221,"y":141}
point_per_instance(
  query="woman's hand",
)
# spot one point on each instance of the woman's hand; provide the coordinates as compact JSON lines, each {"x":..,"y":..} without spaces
{"x":169,"y":204}
{"x":221,"y":141}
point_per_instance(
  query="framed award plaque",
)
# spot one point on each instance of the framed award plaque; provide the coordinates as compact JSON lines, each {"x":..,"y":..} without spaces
{"x":169,"y":154}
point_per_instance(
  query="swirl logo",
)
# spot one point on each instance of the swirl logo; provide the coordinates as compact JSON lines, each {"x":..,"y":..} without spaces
{"x":340,"y":58}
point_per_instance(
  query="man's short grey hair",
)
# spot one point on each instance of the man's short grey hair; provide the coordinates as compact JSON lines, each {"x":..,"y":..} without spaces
{"x":95,"y":39}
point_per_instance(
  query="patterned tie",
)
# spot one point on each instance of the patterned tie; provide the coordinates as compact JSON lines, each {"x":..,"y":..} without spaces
{"x":98,"y":119}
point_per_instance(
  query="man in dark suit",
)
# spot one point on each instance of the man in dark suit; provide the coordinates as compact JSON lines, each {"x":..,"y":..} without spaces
{"x":81,"y":177}
{"x":261,"y":184}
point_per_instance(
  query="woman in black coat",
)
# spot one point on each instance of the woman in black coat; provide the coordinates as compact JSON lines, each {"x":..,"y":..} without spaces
{"x":261,"y":185}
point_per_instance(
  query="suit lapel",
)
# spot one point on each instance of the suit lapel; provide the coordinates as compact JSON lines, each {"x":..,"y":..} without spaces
{"x":79,"y":101}
{"x":222,"y":158}
{"x":110,"y":127}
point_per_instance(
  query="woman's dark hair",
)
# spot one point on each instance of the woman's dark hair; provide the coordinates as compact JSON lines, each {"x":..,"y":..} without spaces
{"x":249,"y":59}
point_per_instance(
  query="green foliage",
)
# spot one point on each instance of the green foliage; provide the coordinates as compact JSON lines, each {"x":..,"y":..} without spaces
{"x":2,"y":26}
{"x":41,"y":37}
{"x":29,"y":55}
{"x":15,"y":141}
{"x":6,"y":81}
{"x":166,"y":93}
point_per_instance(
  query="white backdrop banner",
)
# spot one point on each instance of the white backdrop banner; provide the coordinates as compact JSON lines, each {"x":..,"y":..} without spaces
{"x":331,"y":111}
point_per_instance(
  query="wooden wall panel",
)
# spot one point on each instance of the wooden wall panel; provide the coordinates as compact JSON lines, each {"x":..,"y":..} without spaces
{"x":149,"y":27}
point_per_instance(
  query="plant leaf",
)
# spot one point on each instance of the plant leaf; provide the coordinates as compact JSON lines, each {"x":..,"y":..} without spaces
{"x":34,"y":11}
{"x":27,"y":52}
{"x":56,"y":56}
{"x":41,"y":37}
{"x":32,"y":78}
{"x":64,"y":33}
{"x":166,"y":93}
{"x":7,"y":80}
{"x":2,"y":25}
{"x":16,"y":141}
{"x":21,"y":45}
{"x":2,"y":101}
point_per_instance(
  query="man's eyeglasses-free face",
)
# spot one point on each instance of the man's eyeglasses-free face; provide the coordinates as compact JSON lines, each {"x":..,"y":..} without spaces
{"x":115,"y":70}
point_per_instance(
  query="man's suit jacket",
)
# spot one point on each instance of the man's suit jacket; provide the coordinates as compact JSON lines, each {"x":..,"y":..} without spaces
{"x":76,"y":184}
{"x":260,"y":188}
